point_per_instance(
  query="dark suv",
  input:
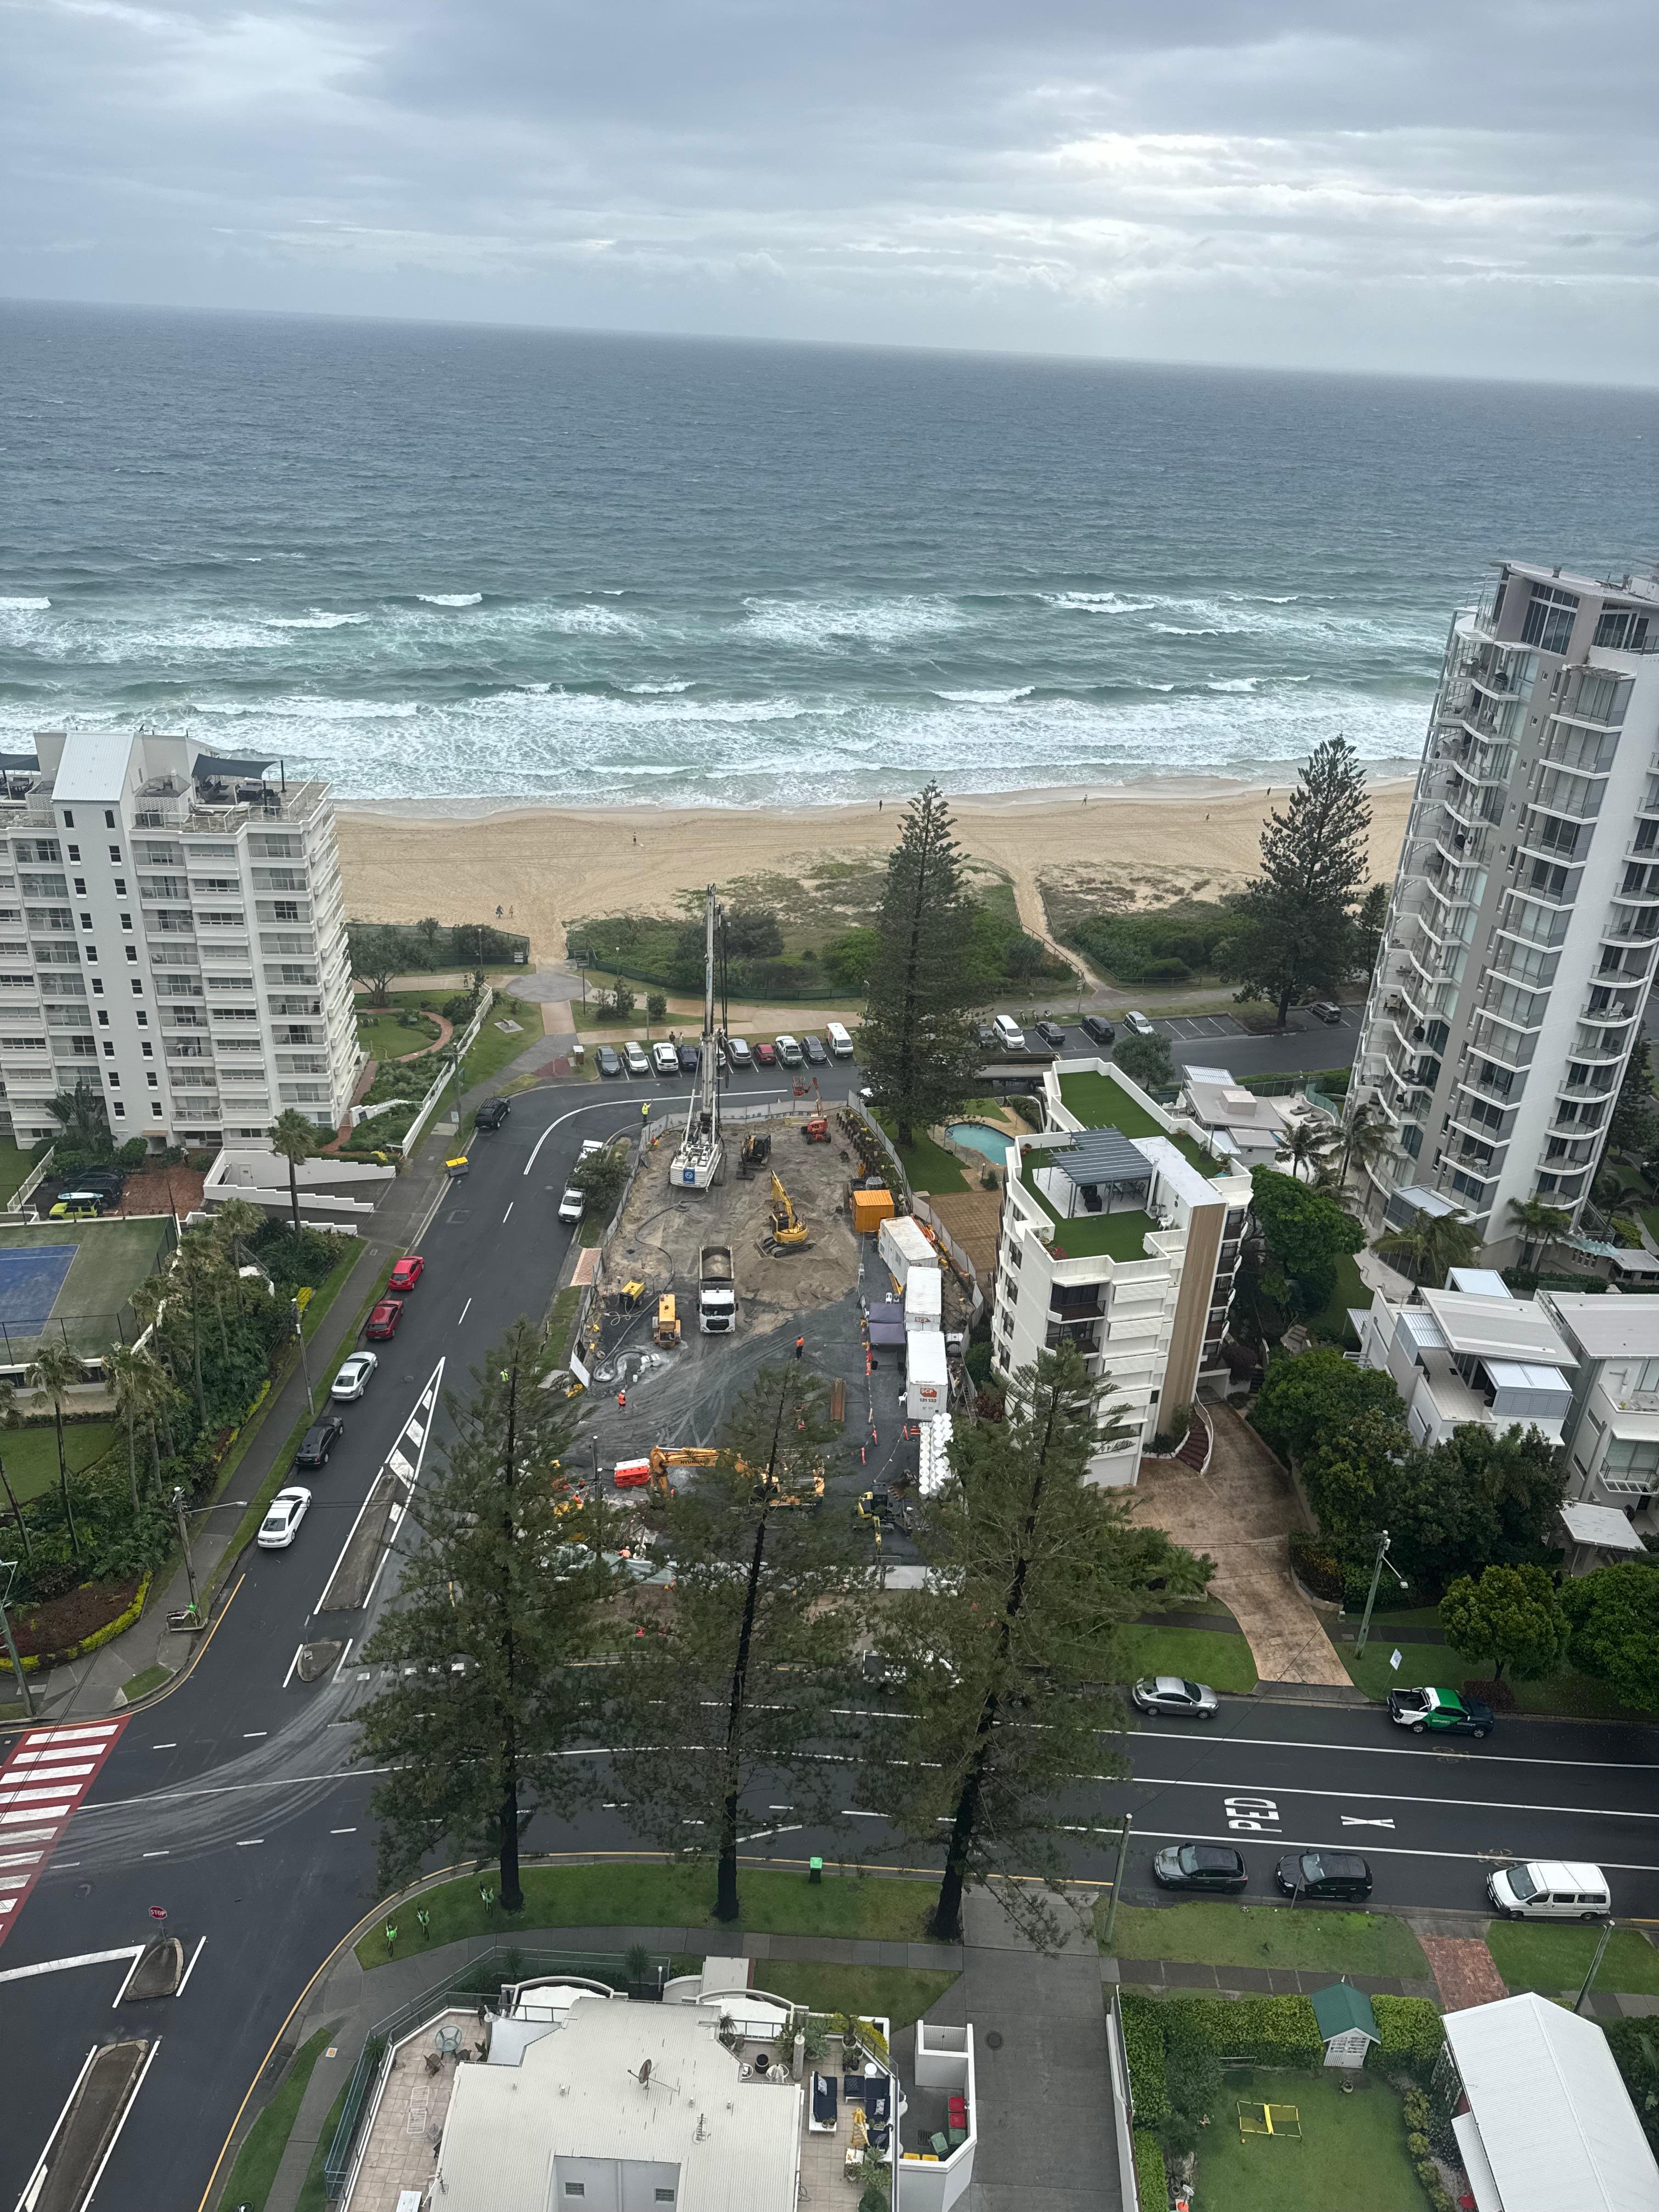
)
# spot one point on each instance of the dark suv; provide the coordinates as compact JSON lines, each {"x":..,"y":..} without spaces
{"x":491,"y":1114}
{"x":817,"y":1053}
{"x":1342,"y":1875}
{"x":1097,"y":1027}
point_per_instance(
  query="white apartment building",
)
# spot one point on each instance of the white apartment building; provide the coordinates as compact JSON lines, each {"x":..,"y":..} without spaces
{"x":172,"y":928}
{"x":1520,"y":939}
{"x":1471,"y":1353}
{"x":1611,"y":1431}
{"x":1121,"y":1232}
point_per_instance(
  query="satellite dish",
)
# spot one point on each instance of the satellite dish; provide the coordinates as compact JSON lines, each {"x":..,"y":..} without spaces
{"x":643,"y":2077}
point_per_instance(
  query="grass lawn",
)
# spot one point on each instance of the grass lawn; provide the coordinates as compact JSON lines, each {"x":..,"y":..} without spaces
{"x":30,"y":1456}
{"x":929,"y":1165}
{"x":890,"y":1993}
{"x":139,"y":1686}
{"x":1222,"y":1661}
{"x":1553,"y":1956}
{"x":313,"y":2196}
{"x":15,"y":1169}
{"x":1083,"y":1235}
{"x":1351,"y":2152}
{"x":1573,"y":1694}
{"x":646,"y":1895}
{"x":1216,"y":1935}
{"x":383,"y":1037}
{"x":562,"y":1319}
{"x":492,"y":1051}
{"x":262,"y":2154}
{"x":1331,"y":1322}
{"x":1100,"y":1102}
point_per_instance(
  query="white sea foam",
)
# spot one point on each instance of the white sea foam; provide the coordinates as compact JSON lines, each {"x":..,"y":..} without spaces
{"x":648,"y":689}
{"x":452,"y":599}
{"x":989,"y":698}
{"x":1233,"y":683}
{"x":26,"y":606}
{"x":1097,"y":603}
{"x":833,"y":626}
{"x":319,"y":618}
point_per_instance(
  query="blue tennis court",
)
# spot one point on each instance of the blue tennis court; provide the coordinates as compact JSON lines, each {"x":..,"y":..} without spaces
{"x":31,"y":1276}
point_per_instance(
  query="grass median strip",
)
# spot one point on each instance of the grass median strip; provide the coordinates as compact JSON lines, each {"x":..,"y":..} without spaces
{"x":647,"y":1895}
{"x":1207,"y":1934}
{"x":267,"y":2139}
{"x":1550,"y":1959}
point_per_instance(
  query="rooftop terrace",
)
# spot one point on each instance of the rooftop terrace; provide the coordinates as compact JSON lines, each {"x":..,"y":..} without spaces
{"x":1099,"y":1102}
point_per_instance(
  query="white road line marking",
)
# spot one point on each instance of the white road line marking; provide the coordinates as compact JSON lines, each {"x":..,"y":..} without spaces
{"x":1349,"y":1821}
{"x":343,"y":1832}
{"x":465,"y":1310}
{"x":126,"y":1981}
{"x":149,"y":2060}
{"x":56,"y":1793}
{"x":158,"y":1855}
{"x":200,"y":1944}
{"x":428,"y":1398}
{"x":173,"y":1745}
{"x":69,"y":1734}
{"x":1426,"y":1751}
{"x":247,"y":1843}
{"x":770,"y":1835}
{"x":344,"y":1655}
{"x":1397,"y":1797}
{"x":40,"y":1813}
{"x":605,"y":1105}
{"x":62,"y":1965}
{"x":292,"y":1664}
{"x":252,"y":1735}
{"x":33,"y":2187}
{"x":507,"y":1215}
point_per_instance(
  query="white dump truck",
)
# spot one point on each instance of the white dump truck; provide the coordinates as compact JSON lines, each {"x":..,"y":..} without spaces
{"x":717,"y":1297}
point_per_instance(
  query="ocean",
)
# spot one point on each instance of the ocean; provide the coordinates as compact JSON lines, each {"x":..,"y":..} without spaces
{"x":453,"y":566}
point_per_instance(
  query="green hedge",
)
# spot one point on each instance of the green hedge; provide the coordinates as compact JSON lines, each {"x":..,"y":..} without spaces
{"x":1413,"y":2034}
{"x":1151,"y":2175}
{"x":1263,"y":2030}
{"x":1143,"y":2049}
{"x":1632,"y":2042}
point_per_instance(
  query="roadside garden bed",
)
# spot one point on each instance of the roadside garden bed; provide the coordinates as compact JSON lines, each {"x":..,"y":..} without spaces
{"x":61,"y":1624}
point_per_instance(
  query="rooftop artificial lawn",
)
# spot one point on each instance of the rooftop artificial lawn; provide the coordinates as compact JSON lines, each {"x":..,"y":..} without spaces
{"x":1100,"y":1101}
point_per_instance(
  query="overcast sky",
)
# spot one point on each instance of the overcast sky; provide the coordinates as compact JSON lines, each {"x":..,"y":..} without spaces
{"x":1426,"y":185}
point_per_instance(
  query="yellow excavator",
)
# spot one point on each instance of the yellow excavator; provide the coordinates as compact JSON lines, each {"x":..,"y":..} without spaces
{"x":789,"y":1231}
{"x":659,"y":1487}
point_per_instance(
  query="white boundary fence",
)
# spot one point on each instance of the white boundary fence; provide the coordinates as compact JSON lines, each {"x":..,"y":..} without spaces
{"x":26,"y":1190}
{"x":460,"y":1046}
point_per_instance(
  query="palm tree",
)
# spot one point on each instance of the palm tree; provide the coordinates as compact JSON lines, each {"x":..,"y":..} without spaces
{"x":56,"y":1371}
{"x":293,"y":1139}
{"x":235,"y":1225}
{"x":9,"y":1418}
{"x":140,"y":1390}
{"x":1429,"y":1243}
{"x":1539,"y":1224}
{"x":1457,"y":1240}
{"x":1365,"y":1136}
{"x":80,"y":1113}
{"x":1307,"y":1143}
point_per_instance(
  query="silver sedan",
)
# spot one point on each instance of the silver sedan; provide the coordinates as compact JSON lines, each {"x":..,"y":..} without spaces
{"x":1173,"y":1693}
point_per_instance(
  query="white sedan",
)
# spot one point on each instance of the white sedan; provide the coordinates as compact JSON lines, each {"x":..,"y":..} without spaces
{"x":571,"y":1205}
{"x":353,"y":1378}
{"x":634,"y":1056}
{"x":664,"y":1059}
{"x":283,"y":1517}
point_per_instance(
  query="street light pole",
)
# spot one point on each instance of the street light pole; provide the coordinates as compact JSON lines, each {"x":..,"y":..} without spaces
{"x":9,"y":1568}
{"x":305,"y":1364}
{"x":1383,"y":1560}
{"x":1117,"y":1883}
{"x":1595,"y":1965}
{"x":184,"y":1540}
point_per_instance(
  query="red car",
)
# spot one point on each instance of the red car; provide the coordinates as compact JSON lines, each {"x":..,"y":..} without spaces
{"x":383,"y":1320}
{"x":407,"y":1272}
{"x":766,"y":1055}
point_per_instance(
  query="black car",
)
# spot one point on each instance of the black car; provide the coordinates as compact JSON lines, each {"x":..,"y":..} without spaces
{"x":1051,"y":1033}
{"x":987,"y":1037}
{"x":817,"y":1053}
{"x":109,"y":1181}
{"x":492,"y":1114}
{"x":608,"y":1061}
{"x":1341,"y":1875}
{"x":1097,"y":1027}
{"x":690,"y":1058}
{"x":318,"y":1443}
{"x":1200,"y":1866}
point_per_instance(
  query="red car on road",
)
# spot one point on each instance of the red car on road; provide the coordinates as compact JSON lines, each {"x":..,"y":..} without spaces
{"x":407,"y":1272}
{"x":766,"y":1055}
{"x":383,"y":1321}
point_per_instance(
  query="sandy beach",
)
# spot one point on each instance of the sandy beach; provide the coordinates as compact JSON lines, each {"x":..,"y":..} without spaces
{"x":547,"y":868}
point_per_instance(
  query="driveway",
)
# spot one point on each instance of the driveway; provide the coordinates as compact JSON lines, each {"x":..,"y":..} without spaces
{"x":1241,"y":1510}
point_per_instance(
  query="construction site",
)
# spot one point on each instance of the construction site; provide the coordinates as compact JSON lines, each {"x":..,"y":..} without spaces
{"x":749,"y":1238}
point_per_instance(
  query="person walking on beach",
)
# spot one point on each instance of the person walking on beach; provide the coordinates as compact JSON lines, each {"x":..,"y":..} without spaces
{"x":800,"y":1348}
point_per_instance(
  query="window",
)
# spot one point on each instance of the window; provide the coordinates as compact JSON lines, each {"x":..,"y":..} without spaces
{"x":143,"y":1019}
{"x":109,"y":818}
{"x":151,"y":1077}
{"x":662,"y":2196}
{"x":74,"y":854}
{"x":121,"y":883}
{"x":1548,"y":623}
{"x":80,"y":887}
{"x":109,"y":1048}
{"x":103,"y":1018}
{"x":114,"y":1079}
{"x":69,"y":819}
{"x":138,"y":988}
{"x":120,"y":1111}
{"x":115,"y":855}
{"x":126,"y":921}
{"x":132,"y":955}
{"x":576,"y":2189}
{"x":92,"y":955}
{"x":147,"y":1050}
{"x":86,"y":919}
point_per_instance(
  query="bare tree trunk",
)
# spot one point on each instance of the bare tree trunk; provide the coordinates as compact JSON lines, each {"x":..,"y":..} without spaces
{"x":17,"y":1513}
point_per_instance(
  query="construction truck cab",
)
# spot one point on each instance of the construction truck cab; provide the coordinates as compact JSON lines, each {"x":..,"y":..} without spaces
{"x":667,"y":1332}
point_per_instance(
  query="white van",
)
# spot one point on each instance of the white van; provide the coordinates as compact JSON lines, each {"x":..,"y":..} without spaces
{"x":840,"y":1044}
{"x":1009,"y":1035}
{"x":1549,"y":1889}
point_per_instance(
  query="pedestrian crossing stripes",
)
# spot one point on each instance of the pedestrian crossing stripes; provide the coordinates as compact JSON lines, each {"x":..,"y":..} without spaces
{"x":42,"y":1786}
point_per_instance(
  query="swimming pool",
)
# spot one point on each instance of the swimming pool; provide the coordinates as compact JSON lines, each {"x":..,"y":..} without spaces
{"x":975,"y":1134}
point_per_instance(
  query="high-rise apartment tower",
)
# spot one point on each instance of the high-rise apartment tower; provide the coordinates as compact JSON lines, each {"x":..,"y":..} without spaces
{"x":1520,"y":941}
{"x":172,"y":928}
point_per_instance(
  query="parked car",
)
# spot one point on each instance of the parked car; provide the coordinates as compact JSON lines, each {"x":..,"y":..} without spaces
{"x":106,"y":1179}
{"x":1326,"y":1010}
{"x":817,"y":1053}
{"x":1173,"y":1693}
{"x":765,"y":1055}
{"x":573,"y":1204}
{"x":1009,"y":1035}
{"x":353,"y":1376}
{"x":1200,"y":1866}
{"x":633,"y":1057}
{"x":1051,"y":1033}
{"x":494,"y":1112}
{"x":788,"y":1051}
{"x":665,"y":1059}
{"x":383,"y":1321}
{"x":607,"y":1060}
{"x":690,"y":1058}
{"x":1342,"y":1875}
{"x":407,"y":1272}
{"x":79,"y":1206}
{"x":985,"y":1036}
{"x":283,"y":1517}
{"x":1549,"y":1889}
{"x":738,"y":1055}
{"x":1096,"y":1026}
{"x":1442,"y":1711}
{"x":1138,"y":1024}
{"x":318,"y":1441}
{"x":590,"y":1146}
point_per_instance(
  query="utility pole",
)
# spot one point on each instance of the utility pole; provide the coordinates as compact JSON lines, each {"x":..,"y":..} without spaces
{"x":305,"y":1364}
{"x":9,"y":1569}
{"x":184,"y":1540}
{"x":1579,"y":2002}
{"x":1117,"y":1882}
{"x":1382,"y":1561}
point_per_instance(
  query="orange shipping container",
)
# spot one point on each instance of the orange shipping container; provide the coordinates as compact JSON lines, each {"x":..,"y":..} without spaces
{"x":870,"y":1209}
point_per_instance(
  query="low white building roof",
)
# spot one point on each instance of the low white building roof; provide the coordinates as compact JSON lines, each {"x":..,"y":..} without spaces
{"x":1557,"y":2126}
{"x":1497,"y":1328}
{"x":1601,"y":1525}
{"x":733,"y":2145}
{"x":1608,"y":1328}
{"x":1483,"y":1282}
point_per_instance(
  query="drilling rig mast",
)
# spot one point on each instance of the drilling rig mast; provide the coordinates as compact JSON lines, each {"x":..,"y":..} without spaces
{"x":701,"y":1159}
